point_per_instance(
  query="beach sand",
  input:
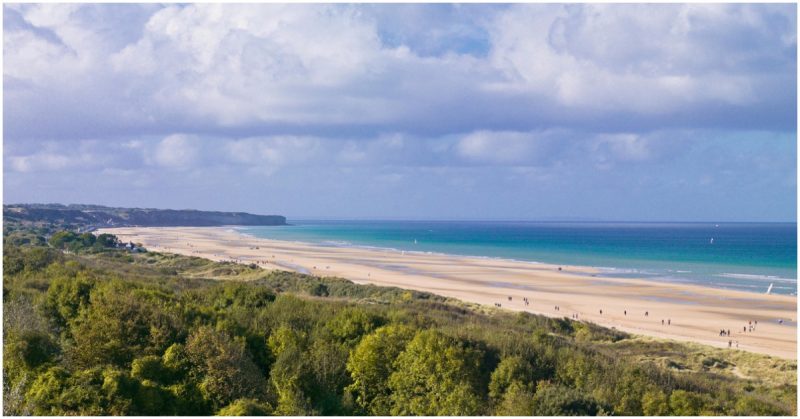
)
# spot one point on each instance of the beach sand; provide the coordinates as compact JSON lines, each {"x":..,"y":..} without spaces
{"x":696,"y":313}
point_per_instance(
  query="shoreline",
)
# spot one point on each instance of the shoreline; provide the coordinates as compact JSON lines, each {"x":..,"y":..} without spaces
{"x":636,"y":273}
{"x":690,"y":312}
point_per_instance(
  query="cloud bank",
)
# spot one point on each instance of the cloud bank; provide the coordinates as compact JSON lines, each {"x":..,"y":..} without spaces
{"x":440,"y":103}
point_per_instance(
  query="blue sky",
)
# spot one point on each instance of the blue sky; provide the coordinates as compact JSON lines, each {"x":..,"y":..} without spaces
{"x":620,"y":112}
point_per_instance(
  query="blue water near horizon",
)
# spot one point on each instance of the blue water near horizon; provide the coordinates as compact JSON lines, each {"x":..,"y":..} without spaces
{"x":742,"y":256}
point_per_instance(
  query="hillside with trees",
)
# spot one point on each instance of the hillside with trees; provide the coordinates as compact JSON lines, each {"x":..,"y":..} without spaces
{"x":94,"y":216}
{"x":92,"y":329}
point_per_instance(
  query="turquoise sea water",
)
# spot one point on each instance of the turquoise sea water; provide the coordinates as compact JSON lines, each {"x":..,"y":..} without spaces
{"x":743,"y":256}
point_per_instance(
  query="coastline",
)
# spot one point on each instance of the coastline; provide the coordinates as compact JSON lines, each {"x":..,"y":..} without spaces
{"x":691,"y":312}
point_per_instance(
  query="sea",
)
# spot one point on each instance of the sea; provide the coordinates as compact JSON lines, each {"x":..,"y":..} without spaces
{"x":741,"y":256}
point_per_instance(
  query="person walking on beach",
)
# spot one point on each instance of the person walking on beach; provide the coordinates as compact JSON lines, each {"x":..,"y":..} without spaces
{"x":730,"y":343}
{"x":669,"y":322}
{"x":626,"y":312}
{"x":601,"y":312}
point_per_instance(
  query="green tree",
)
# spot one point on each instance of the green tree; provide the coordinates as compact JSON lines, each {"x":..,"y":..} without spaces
{"x":151,"y":367}
{"x":556,"y":400}
{"x":120,"y":389}
{"x":188,"y":400}
{"x":87,"y":239}
{"x":107,"y":240}
{"x":64,"y":299}
{"x":246,"y":407}
{"x":351,"y":323}
{"x":628,"y":391}
{"x":30,"y":349}
{"x":513,"y":369}
{"x":655,"y":403}
{"x":56,"y":392}
{"x":328,"y":377}
{"x":436,"y":375}
{"x":685,"y":403}
{"x":176,"y":360}
{"x":62,"y":239}
{"x":370,"y":371}
{"x":44,"y":394}
{"x":228,"y":373}
{"x":123,"y":322}
{"x":517,"y":401}
{"x":290,"y":375}
{"x":752,"y":406}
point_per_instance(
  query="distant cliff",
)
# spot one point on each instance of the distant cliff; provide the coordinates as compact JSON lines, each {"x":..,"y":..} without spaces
{"x":100,"y":216}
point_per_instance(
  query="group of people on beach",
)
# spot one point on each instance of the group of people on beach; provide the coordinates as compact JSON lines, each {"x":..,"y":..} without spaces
{"x":749,"y":328}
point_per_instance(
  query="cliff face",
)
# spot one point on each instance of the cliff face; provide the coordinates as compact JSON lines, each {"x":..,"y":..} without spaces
{"x":99,"y":216}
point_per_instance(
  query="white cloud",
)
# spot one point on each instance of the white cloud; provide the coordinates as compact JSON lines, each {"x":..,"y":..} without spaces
{"x":176,"y":151}
{"x":240,"y":63}
{"x":497,"y":147}
{"x":317,"y":68}
{"x":273,"y":151}
{"x":641,"y":58}
{"x":86,"y":155}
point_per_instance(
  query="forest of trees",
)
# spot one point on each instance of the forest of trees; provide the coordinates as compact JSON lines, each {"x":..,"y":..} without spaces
{"x":100,"y":331}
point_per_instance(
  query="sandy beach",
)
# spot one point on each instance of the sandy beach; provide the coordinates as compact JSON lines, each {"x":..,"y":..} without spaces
{"x":664,"y":310}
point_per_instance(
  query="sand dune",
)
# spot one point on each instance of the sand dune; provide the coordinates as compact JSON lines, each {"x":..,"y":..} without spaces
{"x":695,"y":313}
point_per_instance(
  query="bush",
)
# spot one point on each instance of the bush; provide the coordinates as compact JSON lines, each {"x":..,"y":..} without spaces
{"x":246,"y":407}
{"x":436,"y":375}
{"x":556,"y":400}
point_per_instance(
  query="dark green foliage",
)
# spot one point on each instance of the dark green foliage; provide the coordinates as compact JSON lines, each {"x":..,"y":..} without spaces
{"x":151,"y":367}
{"x":122,"y":321}
{"x":107,"y":240}
{"x":685,"y":403}
{"x":655,"y":403}
{"x":63,"y":239}
{"x":27,"y":260}
{"x":557,"y":400}
{"x":223,"y":368}
{"x":511,"y":370}
{"x":65,"y":297}
{"x":246,"y":407}
{"x":33,"y":348}
{"x":749,"y":405}
{"x":100,"y":331}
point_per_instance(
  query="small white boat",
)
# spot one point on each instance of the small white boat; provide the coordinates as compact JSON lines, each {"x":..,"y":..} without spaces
{"x":712,"y":241}
{"x":769,"y":290}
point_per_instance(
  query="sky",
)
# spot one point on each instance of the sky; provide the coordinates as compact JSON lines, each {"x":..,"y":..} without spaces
{"x":524,"y":112}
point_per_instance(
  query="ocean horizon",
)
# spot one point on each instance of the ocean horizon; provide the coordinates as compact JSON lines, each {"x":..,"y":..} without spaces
{"x":746,"y":256}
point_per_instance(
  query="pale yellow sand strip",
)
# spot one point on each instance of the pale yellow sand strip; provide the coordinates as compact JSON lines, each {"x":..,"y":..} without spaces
{"x":696,"y":313}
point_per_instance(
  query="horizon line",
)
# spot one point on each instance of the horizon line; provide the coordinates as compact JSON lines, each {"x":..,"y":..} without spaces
{"x":551,"y":219}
